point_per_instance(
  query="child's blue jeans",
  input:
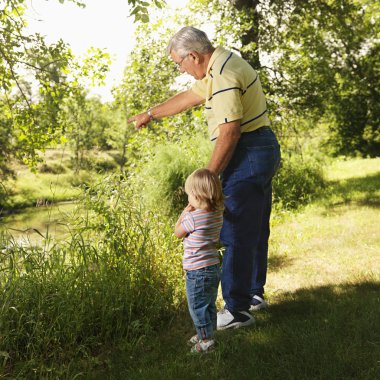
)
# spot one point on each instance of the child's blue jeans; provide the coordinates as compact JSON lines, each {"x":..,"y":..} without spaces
{"x":202,"y":290}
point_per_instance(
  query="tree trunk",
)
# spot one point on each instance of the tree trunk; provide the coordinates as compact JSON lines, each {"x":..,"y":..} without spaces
{"x":251,"y":35}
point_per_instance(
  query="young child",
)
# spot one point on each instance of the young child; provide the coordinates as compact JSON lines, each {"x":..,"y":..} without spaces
{"x":200,"y":224}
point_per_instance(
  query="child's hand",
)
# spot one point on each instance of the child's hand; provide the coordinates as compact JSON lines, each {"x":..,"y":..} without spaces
{"x":179,"y":231}
{"x":189,"y":208}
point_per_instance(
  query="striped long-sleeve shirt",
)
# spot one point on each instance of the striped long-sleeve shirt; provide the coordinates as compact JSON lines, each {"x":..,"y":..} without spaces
{"x":203,"y":228}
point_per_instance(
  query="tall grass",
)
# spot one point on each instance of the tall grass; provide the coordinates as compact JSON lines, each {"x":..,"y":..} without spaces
{"x":161,"y":181}
{"x":118,"y":276}
{"x":297,"y":182}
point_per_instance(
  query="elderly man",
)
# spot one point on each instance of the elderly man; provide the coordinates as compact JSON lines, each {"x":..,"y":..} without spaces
{"x":246,"y":155}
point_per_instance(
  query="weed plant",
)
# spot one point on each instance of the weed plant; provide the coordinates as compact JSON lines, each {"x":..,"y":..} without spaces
{"x":118,"y":276}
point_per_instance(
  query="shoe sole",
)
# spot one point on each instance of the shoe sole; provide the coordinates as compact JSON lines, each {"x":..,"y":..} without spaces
{"x":260,"y":306}
{"x":237,"y":325}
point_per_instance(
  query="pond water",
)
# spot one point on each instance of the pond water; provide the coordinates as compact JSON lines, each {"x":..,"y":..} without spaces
{"x":35,"y":225}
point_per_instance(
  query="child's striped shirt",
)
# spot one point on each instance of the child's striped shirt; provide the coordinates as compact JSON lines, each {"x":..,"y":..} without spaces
{"x":203,"y":228}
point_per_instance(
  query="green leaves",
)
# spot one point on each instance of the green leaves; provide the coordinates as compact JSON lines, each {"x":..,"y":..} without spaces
{"x":318,"y":59}
{"x":140,"y":9}
{"x":36,"y":78}
{"x":77,"y":2}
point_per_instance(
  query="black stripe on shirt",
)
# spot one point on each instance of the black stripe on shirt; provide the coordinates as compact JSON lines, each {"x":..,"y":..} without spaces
{"x":224,"y":64}
{"x":226,"y":89}
{"x":248,"y":121}
{"x":251,"y":84}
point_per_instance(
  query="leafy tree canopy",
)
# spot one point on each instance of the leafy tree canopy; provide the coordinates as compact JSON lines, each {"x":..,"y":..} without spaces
{"x":35,"y":78}
{"x":318,"y":59}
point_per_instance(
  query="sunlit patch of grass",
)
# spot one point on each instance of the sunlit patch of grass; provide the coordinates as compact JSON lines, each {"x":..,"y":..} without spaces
{"x":334,"y":239}
{"x":54,"y":180}
{"x":352,"y":168}
{"x":40,"y":189}
{"x":322,"y":246}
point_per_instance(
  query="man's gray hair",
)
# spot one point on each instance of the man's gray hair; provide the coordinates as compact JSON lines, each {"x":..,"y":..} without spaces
{"x":189,"y":39}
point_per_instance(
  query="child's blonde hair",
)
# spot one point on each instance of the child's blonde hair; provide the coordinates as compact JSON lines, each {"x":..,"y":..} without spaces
{"x":206,"y":188}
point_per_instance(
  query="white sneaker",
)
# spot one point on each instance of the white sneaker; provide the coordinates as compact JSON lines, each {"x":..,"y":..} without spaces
{"x":233,"y":319}
{"x":193,"y":340}
{"x":203,"y":346}
{"x":258,"y":303}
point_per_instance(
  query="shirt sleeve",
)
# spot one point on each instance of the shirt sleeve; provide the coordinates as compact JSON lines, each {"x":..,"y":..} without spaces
{"x":200,"y":87}
{"x":188,"y":223}
{"x":227,"y":97}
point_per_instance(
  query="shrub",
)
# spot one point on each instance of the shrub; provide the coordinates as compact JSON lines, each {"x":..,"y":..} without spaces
{"x":52,"y":168}
{"x":104,"y":165}
{"x":82,"y":178}
{"x":163,"y":177}
{"x":297,"y":182}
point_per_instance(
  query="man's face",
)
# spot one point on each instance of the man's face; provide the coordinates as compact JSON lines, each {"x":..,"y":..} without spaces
{"x":189,"y":64}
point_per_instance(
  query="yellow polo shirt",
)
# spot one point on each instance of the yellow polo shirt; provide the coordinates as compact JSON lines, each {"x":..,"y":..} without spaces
{"x":232,"y":91}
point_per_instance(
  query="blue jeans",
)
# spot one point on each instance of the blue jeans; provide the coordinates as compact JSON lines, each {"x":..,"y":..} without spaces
{"x":202,"y":290}
{"x":247,"y":186}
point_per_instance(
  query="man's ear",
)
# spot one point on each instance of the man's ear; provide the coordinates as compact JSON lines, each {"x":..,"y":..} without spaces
{"x":195,"y":56}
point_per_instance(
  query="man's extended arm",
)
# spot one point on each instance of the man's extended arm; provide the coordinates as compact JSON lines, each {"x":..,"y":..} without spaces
{"x":176,"y":104}
{"x":229,"y":135}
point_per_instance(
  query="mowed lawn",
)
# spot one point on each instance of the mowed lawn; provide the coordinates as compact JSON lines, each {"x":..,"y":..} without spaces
{"x":323,"y":287}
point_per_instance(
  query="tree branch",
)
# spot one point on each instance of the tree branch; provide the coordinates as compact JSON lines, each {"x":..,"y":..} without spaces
{"x":14,"y":76}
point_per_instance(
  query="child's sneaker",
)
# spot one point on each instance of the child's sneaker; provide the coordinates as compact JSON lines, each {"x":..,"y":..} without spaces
{"x":203,"y":346}
{"x":193,"y":340}
{"x":258,"y":303}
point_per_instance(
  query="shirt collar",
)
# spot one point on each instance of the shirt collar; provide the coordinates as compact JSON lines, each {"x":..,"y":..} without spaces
{"x":217,"y":52}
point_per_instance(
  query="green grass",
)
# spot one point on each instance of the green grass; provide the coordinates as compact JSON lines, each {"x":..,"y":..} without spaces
{"x":323,"y":288}
{"x":31,"y":189}
{"x":109,"y":304}
{"x":326,"y":332}
{"x":354,"y":181}
{"x":353,"y":168}
{"x":47,"y":185}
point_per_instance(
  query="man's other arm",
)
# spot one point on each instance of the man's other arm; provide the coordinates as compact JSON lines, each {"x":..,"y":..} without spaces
{"x":229,"y":135}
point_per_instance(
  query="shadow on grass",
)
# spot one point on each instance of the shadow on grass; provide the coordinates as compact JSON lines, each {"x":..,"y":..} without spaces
{"x":361,"y":190}
{"x":330,"y":332}
{"x":277,"y":262}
